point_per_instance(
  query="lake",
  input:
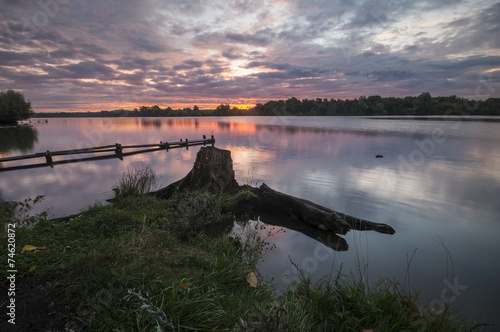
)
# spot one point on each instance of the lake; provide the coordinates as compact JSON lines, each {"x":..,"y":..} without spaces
{"x":437,"y":185}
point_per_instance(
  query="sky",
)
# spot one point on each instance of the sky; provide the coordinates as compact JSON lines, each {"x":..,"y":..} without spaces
{"x":75,"y":55}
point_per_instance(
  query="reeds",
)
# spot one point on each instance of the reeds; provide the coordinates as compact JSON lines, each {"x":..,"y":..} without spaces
{"x":138,"y":180}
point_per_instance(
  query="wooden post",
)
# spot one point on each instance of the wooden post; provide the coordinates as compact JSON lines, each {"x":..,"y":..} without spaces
{"x":48,"y":158}
{"x":187,"y":144}
{"x":164,"y":145}
{"x":118,"y":148}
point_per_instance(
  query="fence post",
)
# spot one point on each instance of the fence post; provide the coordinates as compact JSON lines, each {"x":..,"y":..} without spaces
{"x":48,"y":158}
{"x":118,"y":148}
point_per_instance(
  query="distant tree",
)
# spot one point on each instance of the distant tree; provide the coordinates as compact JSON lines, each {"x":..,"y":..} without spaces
{"x":196,"y":111}
{"x":379,"y":109}
{"x":425,"y":104}
{"x":258,"y":109}
{"x":13,"y":107}
{"x":360,"y":108}
{"x":293,"y":106}
{"x":490,"y":106}
{"x":222,"y":109}
{"x":156,"y":110}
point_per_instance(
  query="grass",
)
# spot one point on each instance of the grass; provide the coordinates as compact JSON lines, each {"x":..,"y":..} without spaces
{"x":348,"y":305}
{"x":130,"y":266}
{"x":138,"y":180}
{"x":146,"y":264}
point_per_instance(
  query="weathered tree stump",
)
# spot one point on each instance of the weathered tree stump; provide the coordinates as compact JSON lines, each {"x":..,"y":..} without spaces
{"x":213,"y":170}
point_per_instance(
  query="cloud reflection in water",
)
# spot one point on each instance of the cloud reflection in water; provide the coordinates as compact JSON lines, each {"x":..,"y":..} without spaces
{"x":452,"y":192}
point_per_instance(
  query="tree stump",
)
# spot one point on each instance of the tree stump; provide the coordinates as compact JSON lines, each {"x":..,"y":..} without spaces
{"x":212,"y":171}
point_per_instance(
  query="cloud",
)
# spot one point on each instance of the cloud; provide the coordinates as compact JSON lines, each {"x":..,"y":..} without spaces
{"x":251,"y":39}
{"x":189,"y":64}
{"x":13,"y":58}
{"x":142,"y":44}
{"x":469,"y":63}
{"x":383,"y":75}
{"x":89,"y":69}
{"x":231,"y":54}
{"x":145,"y":52}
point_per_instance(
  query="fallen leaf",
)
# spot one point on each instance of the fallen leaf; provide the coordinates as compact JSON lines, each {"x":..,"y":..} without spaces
{"x":185,"y":285}
{"x":29,"y":247}
{"x":252,"y":280}
{"x":32,"y":268}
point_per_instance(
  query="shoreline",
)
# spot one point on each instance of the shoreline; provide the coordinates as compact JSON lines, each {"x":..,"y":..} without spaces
{"x":162,"y":243}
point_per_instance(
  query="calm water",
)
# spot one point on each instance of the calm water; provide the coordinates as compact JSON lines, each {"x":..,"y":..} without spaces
{"x":438,"y":181}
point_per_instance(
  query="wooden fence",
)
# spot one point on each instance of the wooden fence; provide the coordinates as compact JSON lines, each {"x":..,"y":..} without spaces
{"x":114,"y":151}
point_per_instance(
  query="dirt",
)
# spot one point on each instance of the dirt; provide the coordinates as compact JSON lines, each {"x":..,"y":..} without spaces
{"x":37,"y":309}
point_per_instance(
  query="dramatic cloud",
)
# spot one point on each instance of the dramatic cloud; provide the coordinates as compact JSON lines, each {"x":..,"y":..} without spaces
{"x":91,"y":55}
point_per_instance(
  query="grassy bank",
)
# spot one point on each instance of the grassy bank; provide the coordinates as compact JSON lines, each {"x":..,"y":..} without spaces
{"x":145,"y":264}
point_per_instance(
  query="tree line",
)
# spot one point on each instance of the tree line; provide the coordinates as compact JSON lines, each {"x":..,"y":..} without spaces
{"x":13,"y":107}
{"x":153,"y":111}
{"x":424,"y":104}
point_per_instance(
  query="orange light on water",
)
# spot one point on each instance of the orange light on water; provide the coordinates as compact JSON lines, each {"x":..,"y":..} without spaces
{"x":244,"y":128}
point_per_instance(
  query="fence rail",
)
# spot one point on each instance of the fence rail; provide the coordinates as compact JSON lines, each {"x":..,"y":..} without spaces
{"x":117,"y":151}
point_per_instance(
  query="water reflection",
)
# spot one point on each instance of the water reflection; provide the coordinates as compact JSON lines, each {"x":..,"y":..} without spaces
{"x":328,"y":239}
{"x":422,"y":187}
{"x":150,"y":123}
{"x":17,"y":139}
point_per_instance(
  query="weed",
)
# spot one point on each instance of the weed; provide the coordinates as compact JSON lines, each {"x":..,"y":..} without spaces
{"x":20,"y":212}
{"x":194,"y":211}
{"x":252,"y":238}
{"x":138,"y":180}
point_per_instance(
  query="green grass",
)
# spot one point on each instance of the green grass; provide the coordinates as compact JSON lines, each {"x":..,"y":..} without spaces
{"x":145,"y":264}
{"x":348,"y":305}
